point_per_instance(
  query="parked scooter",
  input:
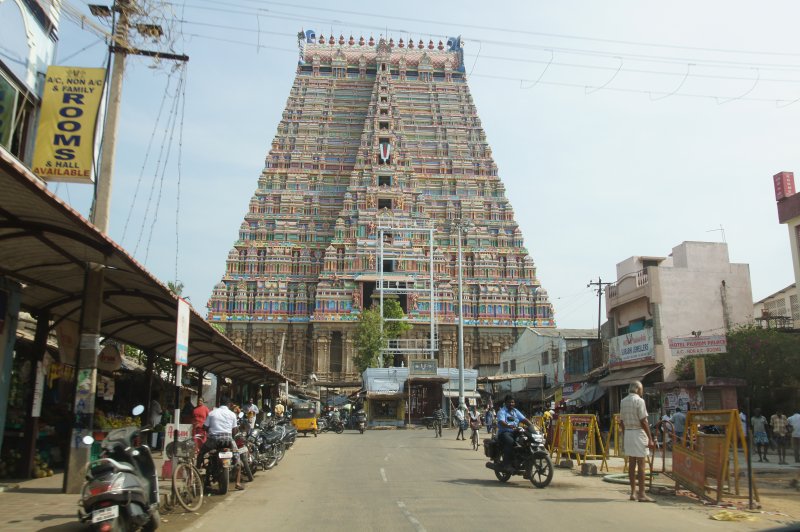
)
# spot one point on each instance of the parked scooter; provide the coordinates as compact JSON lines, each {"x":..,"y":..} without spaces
{"x":121,"y":488}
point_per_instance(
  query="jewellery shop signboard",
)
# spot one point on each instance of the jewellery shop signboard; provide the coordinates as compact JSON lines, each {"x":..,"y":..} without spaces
{"x":632,"y":347}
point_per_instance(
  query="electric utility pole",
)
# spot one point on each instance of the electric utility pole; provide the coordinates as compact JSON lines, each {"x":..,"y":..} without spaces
{"x":91,"y":315}
{"x":600,"y":291}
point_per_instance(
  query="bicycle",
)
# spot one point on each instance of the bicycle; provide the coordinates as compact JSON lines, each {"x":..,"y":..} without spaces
{"x":474,"y":436}
{"x":187,"y":482}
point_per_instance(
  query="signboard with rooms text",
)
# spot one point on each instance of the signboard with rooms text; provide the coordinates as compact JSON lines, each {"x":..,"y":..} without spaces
{"x":698,"y":345}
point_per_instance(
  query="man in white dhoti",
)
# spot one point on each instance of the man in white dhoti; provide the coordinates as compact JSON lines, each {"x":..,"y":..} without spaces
{"x":638,"y":440}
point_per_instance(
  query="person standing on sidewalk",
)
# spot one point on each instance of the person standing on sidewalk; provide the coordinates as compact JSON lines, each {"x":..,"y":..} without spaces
{"x":780,"y":432}
{"x":794,"y":421}
{"x":638,"y":440}
{"x":438,"y":417}
{"x":760,"y":436}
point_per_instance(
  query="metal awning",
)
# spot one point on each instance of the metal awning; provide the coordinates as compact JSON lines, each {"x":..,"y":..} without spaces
{"x":587,"y":395}
{"x":508,"y":377}
{"x":385,"y":395}
{"x":47,"y":246}
{"x":628,"y":375}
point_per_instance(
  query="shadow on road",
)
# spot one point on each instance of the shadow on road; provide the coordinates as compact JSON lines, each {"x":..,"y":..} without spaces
{"x":590,"y":500}
{"x":488,"y":483}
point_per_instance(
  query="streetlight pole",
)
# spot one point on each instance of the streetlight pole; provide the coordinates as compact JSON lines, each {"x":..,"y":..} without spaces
{"x":460,"y":322}
{"x":94,"y":287}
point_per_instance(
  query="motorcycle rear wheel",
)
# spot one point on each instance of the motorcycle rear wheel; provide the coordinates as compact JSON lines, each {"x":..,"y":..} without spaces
{"x":541,"y":471}
{"x":339,"y":429}
{"x":224,"y":480}
{"x":119,"y":524}
{"x":153,"y":523}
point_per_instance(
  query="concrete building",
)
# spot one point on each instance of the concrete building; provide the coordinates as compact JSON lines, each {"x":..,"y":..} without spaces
{"x":781,"y":309}
{"x":540,"y":351}
{"x":695,"y":291}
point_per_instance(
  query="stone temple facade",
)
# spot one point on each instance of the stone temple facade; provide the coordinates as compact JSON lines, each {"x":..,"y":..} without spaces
{"x":375,"y":131}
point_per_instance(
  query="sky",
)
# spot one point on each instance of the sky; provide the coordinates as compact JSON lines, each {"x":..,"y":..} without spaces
{"x":619,"y":128}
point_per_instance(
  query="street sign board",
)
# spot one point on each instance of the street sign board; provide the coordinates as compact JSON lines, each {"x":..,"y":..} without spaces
{"x":182,"y":334}
{"x":698,"y":345}
{"x":422,"y":367}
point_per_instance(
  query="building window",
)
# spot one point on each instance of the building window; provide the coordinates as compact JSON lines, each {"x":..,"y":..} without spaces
{"x":383,"y":125}
{"x":505,"y":366}
{"x":388,"y":266}
{"x":16,"y":119}
{"x":384,"y":204}
{"x":384,"y":181}
{"x":545,"y":358}
{"x":514,"y":365}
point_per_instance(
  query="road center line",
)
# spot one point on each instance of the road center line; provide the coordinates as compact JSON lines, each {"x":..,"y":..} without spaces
{"x":383,"y":475}
{"x":411,"y":519}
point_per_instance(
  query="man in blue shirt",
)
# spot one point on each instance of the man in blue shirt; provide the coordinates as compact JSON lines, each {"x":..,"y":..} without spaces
{"x":509,"y":418}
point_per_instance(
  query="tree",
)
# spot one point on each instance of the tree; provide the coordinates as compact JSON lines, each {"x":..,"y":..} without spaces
{"x":768,"y":359}
{"x":176,"y":287}
{"x":369,"y":337}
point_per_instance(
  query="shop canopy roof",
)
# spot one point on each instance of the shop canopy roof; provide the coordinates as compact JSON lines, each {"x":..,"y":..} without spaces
{"x":47,"y":247}
{"x":628,"y":375}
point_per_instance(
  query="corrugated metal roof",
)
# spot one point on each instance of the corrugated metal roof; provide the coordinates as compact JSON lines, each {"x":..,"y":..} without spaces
{"x":48,"y":246}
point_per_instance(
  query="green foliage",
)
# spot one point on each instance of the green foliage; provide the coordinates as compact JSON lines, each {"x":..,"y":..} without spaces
{"x":393,"y":310}
{"x":370,"y":339}
{"x":768,"y":359}
{"x":176,"y":287}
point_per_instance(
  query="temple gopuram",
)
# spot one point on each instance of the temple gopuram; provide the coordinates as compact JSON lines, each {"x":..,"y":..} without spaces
{"x":375,"y":132}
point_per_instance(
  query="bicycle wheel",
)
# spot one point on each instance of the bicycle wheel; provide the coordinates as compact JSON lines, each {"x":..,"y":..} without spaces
{"x":187,"y":484}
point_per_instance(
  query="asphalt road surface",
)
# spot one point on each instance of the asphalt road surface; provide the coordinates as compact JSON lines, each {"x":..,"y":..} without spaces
{"x":407,"y":480}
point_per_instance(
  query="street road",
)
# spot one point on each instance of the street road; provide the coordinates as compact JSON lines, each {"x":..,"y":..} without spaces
{"x":407,"y":480}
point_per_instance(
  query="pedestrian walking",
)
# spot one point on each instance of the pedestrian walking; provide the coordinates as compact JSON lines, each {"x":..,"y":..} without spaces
{"x":794,"y":427}
{"x":438,"y":417}
{"x":461,"y":422}
{"x":760,"y":436}
{"x":489,"y":420}
{"x":780,"y":432}
{"x":638,"y":440}
{"x":679,"y":423}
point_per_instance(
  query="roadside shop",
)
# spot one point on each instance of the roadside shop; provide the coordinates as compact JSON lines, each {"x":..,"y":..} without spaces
{"x":47,"y":251}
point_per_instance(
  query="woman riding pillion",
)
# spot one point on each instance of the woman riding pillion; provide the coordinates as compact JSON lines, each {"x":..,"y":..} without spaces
{"x":508,"y":419}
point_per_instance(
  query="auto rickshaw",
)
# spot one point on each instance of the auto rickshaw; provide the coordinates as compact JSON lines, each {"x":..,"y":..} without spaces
{"x":304,"y":419}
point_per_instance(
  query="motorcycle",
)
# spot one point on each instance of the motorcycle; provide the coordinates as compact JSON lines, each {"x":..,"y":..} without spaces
{"x":529,"y":458}
{"x":266,"y":440}
{"x":121,"y":488}
{"x":361,"y":420}
{"x":217,"y":464}
{"x":289,"y":432}
{"x":331,"y":422}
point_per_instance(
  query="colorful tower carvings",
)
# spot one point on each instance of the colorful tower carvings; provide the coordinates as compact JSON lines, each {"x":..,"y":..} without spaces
{"x":376,"y":132}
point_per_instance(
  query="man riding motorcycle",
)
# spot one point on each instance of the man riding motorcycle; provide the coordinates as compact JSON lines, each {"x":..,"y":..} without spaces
{"x":219,"y":426}
{"x":508,"y":419}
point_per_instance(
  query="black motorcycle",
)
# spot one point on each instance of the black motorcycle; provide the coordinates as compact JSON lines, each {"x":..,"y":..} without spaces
{"x":330,"y":422}
{"x":217,"y":464}
{"x":121,"y":488}
{"x":529,"y":458}
{"x":268,"y":441}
